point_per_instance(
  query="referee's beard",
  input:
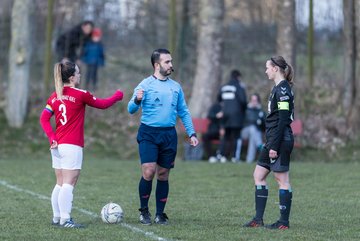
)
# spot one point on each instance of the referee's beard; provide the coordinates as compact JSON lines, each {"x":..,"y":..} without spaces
{"x":164,"y":72}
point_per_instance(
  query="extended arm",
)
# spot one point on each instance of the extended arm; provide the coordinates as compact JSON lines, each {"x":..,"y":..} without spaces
{"x":104,"y":103}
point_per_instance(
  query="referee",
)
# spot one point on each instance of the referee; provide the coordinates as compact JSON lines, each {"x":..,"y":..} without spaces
{"x":162,"y":100}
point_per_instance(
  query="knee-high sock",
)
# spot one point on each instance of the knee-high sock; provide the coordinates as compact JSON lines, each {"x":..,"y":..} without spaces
{"x":54,"y":201}
{"x":65,"y":202}
{"x":285,"y":198}
{"x":145,"y":188}
{"x":261,"y":195}
{"x":162,"y":191}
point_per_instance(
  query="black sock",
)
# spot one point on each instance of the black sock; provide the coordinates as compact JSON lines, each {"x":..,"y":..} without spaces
{"x":144,"y":192}
{"x":162,"y":191}
{"x":261,"y":195}
{"x":285,"y":197}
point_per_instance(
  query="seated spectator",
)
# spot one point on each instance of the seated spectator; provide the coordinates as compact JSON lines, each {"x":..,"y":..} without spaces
{"x":253,"y":130}
{"x":213,"y":132}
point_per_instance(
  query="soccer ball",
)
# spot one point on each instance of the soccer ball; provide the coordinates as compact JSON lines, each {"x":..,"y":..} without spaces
{"x":112,"y":213}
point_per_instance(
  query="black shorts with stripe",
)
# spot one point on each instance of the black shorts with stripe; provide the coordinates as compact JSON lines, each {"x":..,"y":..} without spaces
{"x":280,"y":164}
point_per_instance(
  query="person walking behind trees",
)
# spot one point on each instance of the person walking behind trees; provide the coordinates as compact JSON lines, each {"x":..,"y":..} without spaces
{"x":233,"y":98}
{"x":93,"y":56}
{"x":253,"y":130}
{"x":70,"y":44}
{"x":162,"y":100}
{"x":68,"y":104}
{"x":275,"y":155}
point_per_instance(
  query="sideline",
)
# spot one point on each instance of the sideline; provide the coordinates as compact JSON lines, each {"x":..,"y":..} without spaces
{"x":84,"y":211}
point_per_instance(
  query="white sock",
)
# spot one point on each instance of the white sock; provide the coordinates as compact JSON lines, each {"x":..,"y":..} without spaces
{"x":65,"y":202}
{"x":55,"y":204}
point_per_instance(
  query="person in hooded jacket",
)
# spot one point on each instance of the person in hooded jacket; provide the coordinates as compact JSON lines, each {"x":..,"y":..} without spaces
{"x":233,"y":98}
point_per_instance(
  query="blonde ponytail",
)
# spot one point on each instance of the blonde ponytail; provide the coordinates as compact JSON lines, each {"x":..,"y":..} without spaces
{"x":58,"y":81}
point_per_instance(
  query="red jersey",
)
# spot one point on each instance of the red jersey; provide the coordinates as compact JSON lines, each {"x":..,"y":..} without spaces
{"x":70,"y":114}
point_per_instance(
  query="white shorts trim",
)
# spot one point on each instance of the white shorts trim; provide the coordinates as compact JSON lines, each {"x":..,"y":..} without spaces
{"x":67,"y":156}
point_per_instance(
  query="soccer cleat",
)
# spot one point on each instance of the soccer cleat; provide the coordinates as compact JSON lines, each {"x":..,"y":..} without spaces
{"x":254,"y":223}
{"x":213,"y":159}
{"x":278,"y":225}
{"x":234,"y":160}
{"x":145,"y":216}
{"x":161,"y":219}
{"x":55,"y":223}
{"x":71,"y":224}
{"x":223,"y":159}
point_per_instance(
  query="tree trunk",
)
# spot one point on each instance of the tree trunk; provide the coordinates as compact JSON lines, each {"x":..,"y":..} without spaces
{"x":354,"y":112}
{"x":172,"y":29}
{"x":286,"y":31}
{"x":184,"y":38}
{"x":350,"y":56}
{"x":310,"y":42}
{"x":48,"y":57}
{"x":209,"y":48}
{"x":19,"y":62}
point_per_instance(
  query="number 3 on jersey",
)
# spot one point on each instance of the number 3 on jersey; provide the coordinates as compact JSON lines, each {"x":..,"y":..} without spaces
{"x":62,"y":109}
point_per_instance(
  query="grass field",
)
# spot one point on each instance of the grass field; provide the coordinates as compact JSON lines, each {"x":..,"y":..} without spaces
{"x":206,"y":202}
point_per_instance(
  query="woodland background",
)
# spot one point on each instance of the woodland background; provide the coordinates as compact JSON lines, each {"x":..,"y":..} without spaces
{"x":207,"y":38}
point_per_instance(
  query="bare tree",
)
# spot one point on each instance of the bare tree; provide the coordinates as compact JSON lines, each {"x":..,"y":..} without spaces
{"x":209,"y":48}
{"x":310,"y":42}
{"x":184,"y":41}
{"x":19,"y":62}
{"x":351,"y":100}
{"x":48,"y":55}
{"x":286,"y":31}
{"x":172,"y":28}
{"x":350,"y":56}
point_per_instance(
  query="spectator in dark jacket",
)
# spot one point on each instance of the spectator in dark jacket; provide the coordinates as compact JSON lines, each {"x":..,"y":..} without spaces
{"x":70,"y":43}
{"x":213,"y":132}
{"x":233,"y":98}
{"x":253,"y":130}
{"x":93,"y":56}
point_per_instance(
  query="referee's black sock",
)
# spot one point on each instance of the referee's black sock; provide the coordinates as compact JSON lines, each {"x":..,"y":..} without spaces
{"x":162,"y":191}
{"x":285,"y":197}
{"x":144,"y":192}
{"x":261,"y":195}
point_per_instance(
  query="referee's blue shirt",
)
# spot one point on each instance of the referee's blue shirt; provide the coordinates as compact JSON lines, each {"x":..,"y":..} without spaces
{"x":162,"y":102}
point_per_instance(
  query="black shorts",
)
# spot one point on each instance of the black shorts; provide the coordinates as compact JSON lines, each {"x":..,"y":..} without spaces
{"x":157,"y":144}
{"x":280,"y":164}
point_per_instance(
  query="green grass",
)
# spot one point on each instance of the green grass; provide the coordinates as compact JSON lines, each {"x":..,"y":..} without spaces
{"x":206,"y":202}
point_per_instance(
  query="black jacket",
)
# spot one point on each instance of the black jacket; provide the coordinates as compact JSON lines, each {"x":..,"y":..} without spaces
{"x":233,"y":98}
{"x":255,"y":116}
{"x":68,"y":43}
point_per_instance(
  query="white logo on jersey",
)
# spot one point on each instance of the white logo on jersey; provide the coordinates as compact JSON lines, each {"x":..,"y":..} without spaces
{"x":228,"y":96}
{"x":228,"y":88}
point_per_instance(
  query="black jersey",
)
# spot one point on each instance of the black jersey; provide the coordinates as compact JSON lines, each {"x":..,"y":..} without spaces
{"x":280,"y":115}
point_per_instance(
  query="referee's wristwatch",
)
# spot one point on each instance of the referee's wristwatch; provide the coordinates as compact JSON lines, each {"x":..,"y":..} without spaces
{"x":193,"y":134}
{"x":137,"y":102}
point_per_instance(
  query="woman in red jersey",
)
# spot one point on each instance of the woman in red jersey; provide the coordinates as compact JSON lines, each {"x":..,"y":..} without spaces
{"x":68,"y":104}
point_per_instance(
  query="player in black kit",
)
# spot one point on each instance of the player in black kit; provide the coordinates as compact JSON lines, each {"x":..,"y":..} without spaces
{"x":275,"y":156}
